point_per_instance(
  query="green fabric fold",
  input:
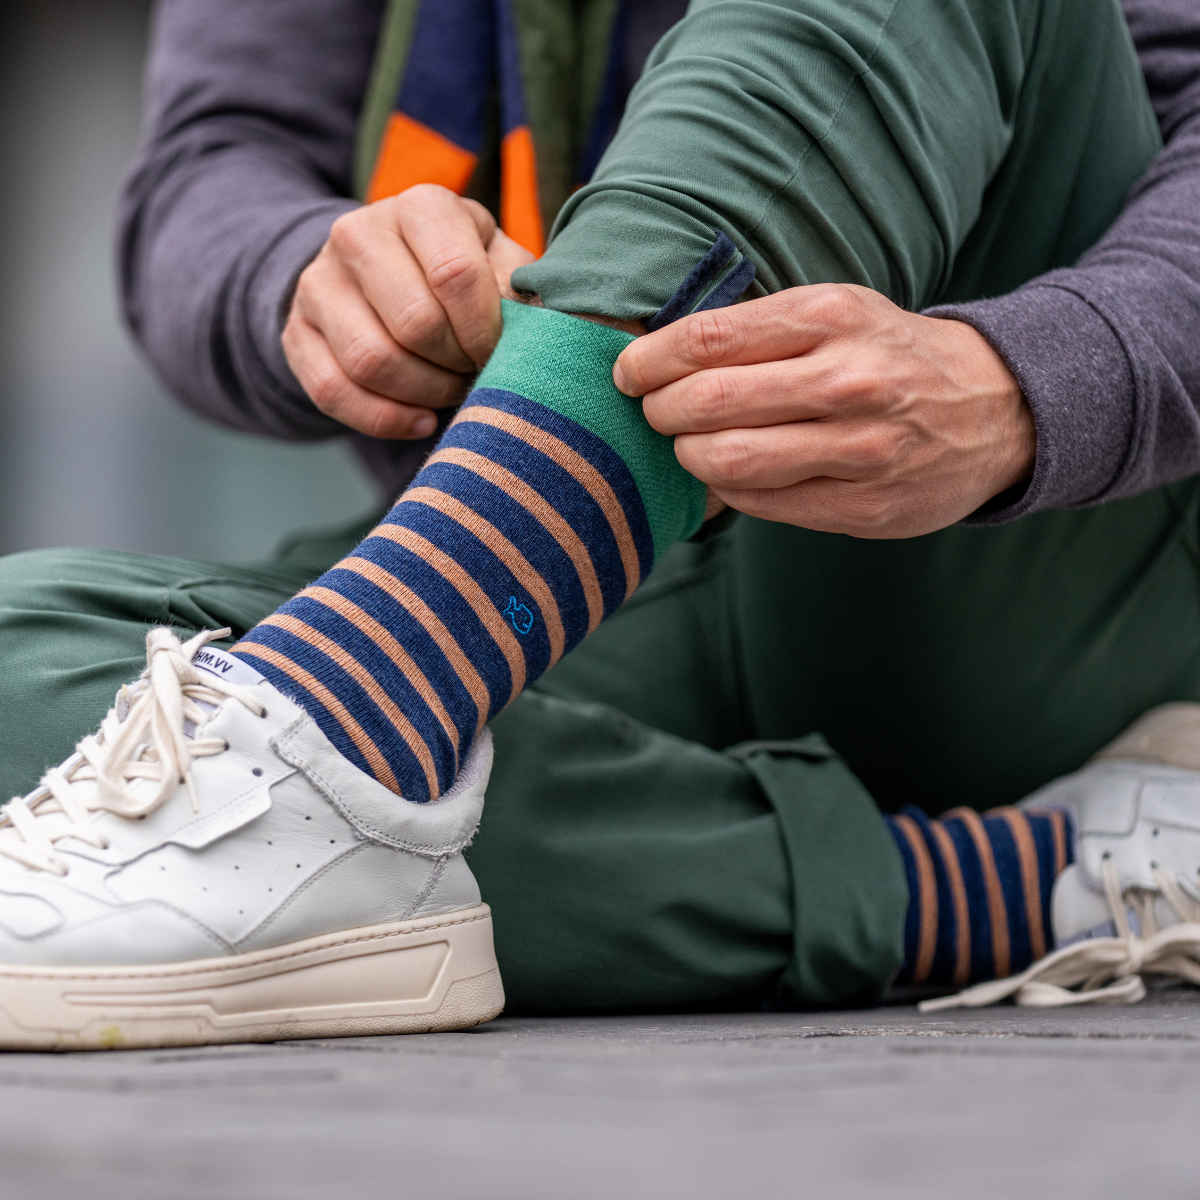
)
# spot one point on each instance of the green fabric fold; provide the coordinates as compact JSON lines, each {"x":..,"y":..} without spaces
{"x":873,"y":143}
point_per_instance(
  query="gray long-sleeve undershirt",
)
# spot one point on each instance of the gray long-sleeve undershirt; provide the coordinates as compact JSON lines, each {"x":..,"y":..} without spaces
{"x":247,"y":163}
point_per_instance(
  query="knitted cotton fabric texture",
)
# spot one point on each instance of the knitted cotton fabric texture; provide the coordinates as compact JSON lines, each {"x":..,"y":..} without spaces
{"x":542,"y":509}
{"x":979,"y":891}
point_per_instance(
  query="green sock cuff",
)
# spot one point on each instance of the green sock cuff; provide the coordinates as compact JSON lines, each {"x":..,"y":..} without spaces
{"x":565,"y":363}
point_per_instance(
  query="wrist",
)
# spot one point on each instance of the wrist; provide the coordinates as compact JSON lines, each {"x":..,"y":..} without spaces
{"x":1007,"y":422}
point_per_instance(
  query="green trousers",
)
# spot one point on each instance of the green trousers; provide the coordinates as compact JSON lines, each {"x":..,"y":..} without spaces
{"x":667,"y":826}
{"x":664,"y":829}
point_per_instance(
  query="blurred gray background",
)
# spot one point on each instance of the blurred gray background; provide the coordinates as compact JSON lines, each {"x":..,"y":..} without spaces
{"x":93,"y":451}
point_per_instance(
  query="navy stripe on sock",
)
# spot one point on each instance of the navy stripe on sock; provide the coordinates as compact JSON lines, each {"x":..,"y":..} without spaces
{"x":1008,"y":867}
{"x":983,"y":954}
{"x":547,"y":476}
{"x":946,"y":954}
{"x":399,"y":757}
{"x":442,"y":598}
{"x":482,"y":564}
{"x":526,"y":533}
{"x":602,"y":456}
{"x":912,"y":916}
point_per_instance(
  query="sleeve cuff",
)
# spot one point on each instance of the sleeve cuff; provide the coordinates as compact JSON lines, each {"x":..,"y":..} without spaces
{"x":267,"y":298}
{"x":1076,"y":378}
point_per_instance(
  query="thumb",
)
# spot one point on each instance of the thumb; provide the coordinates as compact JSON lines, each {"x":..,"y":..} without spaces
{"x":506,"y":256}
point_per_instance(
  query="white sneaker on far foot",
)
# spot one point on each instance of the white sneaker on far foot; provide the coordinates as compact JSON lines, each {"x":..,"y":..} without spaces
{"x":208,"y":868}
{"x":1130,"y":903}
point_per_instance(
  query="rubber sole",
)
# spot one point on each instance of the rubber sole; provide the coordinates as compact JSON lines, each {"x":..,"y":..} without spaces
{"x":434,"y":973}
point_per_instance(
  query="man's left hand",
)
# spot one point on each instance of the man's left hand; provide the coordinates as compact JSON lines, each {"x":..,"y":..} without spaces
{"x":831,"y":408}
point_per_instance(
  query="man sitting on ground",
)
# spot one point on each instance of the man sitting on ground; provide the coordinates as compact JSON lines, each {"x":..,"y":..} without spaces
{"x":267,"y":841}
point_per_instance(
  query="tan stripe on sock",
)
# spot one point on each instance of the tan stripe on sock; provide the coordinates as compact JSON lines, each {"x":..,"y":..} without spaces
{"x":1027,"y":857}
{"x":403,"y":661}
{"x":517,"y":564}
{"x":997,"y":912}
{"x":432,"y":624}
{"x":543,"y":512}
{"x":958,"y":897}
{"x":357,"y":734}
{"x":579,"y":468}
{"x":474,"y":596}
{"x":369,"y":684}
{"x":1058,"y":829}
{"x":927,"y":903}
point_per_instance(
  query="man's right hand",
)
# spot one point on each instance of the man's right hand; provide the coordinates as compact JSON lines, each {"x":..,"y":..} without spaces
{"x":399,"y":310}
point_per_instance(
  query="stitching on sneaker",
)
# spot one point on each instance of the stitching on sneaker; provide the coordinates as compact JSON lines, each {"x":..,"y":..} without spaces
{"x":439,"y":869}
{"x":282,"y":746}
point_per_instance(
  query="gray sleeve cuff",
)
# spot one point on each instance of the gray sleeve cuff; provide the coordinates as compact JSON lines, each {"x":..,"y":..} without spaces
{"x":267,"y":297}
{"x":1076,"y":378}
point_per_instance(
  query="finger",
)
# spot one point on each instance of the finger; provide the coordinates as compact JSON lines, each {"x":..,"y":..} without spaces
{"x":368,"y":248}
{"x":773,"y":393}
{"x":771,"y":328}
{"x":829,"y":506}
{"x":780,"y":455}
{"x":506,"y":256}
{"x":447,"y":237}
{"x":338,"y":396}
{"x":366,"y":350}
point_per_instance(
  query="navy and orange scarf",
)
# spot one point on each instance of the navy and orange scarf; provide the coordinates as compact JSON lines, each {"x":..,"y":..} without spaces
{"x":447,"y":74}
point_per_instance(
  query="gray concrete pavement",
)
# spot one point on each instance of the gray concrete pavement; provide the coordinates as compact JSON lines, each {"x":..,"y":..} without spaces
{"x":997,"y":1104}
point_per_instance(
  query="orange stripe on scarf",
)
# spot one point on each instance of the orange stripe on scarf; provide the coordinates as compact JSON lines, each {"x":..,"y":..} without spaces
{"x":520,"y":212}
{"x":412,"y":153}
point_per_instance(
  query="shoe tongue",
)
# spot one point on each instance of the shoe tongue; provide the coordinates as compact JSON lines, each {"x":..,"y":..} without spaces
{"x":225,"y":666}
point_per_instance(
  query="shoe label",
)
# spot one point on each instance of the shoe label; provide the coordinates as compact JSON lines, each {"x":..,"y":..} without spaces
{"x":225,"y":666}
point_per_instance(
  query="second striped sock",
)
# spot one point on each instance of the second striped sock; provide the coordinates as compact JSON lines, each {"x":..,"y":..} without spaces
{"x":979,"y":891}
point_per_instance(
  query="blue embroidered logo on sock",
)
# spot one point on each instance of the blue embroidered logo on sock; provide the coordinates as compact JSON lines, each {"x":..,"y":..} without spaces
{"x":519,"y":615}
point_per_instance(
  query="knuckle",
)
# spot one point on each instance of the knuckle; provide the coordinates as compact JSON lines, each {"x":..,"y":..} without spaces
{"x":859,"y":388}
{"x":875,"y":451}
{"x":418,"y":322}
{"x":308,"y":287}
{"x":381,"y":423}
{"x":631,"y":362}
{"x":847,"y":385}
{"x":347,"y":235}
{"x":713,"y":398}
{"x":729,"y":460}
{"x":837,"y":304}
{"x":451,"y":271}
{"x":290,"y":335}
{"x":710,"y":336}
{"x":326,"y":390}
{"x":366,"y":360}
{"x":422,"y":195}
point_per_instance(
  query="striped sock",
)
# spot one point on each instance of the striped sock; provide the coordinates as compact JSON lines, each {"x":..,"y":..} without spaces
{"x":979,"y":891}
{"x":543,"y":508}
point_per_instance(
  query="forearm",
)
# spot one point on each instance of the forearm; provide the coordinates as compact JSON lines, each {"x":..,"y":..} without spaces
{"x":245,"y":167}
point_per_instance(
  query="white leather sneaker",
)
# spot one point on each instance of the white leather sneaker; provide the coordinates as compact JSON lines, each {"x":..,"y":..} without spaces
{"x":1136,"y":810}
{"x":208,"y":868}
{"x":1129,"y":906}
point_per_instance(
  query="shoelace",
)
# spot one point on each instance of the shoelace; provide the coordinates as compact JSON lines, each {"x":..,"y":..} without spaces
{"x":1110,"y":970}
{"x":142,"y":737}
